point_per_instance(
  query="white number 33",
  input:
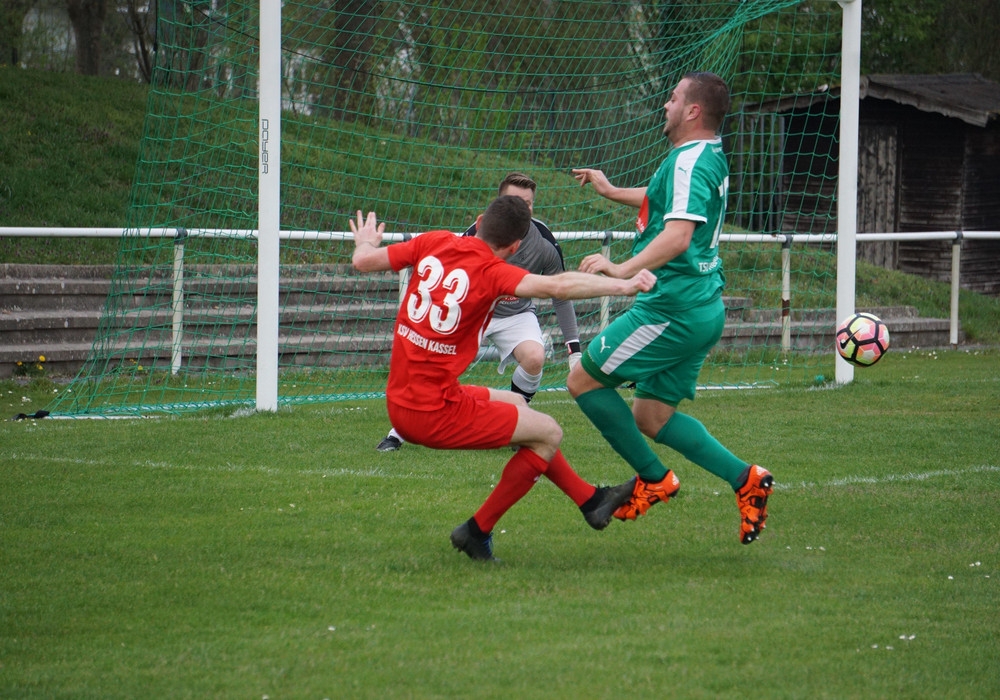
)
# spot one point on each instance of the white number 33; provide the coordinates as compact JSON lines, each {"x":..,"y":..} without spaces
{"x":444,"y":318}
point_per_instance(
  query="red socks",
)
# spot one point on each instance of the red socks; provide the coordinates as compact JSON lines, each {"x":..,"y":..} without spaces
{"x":569,"y":482}
{"x":519,"y":475}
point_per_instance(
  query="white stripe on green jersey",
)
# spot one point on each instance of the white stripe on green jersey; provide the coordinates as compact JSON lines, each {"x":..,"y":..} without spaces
{"x":692,"y":185}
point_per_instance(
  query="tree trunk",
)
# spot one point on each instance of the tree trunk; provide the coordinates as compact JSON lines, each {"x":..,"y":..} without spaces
{"x":349,"y":55}
{"x":141,"y":23}
{"x":11,"y":20}
{"x":87,"y":18}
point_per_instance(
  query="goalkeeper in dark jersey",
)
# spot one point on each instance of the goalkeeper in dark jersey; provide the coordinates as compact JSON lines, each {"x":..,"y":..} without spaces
{"x":514,"y":329}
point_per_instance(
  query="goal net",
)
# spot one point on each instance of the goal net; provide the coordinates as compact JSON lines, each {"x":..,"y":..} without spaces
{"x":417,"y":110}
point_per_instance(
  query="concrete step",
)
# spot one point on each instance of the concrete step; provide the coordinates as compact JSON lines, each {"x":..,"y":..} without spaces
{"x":335,"y":350}
{"x":55,"y":311}
{"x":306,"y":350}
{"x":49,"y":287}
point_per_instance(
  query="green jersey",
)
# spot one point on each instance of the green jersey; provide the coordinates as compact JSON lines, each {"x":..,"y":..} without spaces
{"x":691,"y":184}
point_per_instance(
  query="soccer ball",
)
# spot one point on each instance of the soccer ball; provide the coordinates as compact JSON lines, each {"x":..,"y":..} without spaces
{"x":862,"y":339}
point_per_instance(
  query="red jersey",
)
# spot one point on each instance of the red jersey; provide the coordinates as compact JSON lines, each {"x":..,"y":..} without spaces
{"x":448,"y":304}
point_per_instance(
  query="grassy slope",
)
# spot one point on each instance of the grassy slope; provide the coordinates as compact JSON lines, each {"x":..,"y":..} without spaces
{"x":69,"y":146}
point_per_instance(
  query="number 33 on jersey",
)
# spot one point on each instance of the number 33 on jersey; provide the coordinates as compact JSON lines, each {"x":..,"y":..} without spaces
{"x":448,"y":302}
{"x":444,"y":317}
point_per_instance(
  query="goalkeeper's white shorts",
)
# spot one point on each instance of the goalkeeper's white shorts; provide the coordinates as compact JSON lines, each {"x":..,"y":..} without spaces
{"x":510,"y":331}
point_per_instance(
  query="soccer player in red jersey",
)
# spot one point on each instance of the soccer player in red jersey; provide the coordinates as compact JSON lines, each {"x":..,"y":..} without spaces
{"x":448,"y":303}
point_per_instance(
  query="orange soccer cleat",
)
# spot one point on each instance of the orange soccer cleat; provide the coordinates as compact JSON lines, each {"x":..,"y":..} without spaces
{"x":645,"y":494}
{"x":751,"y":498}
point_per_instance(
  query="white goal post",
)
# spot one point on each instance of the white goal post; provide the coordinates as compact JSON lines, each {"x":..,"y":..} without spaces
{"x":269,"y":179}
{"x":269,"y":205}
{"x":847,"y":176}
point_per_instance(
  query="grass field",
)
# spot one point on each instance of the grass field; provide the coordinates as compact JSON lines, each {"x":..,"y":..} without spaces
{"x":280,"y":556}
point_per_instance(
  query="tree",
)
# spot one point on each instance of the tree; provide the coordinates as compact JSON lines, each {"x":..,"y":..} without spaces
{"x":971,"y":28}
{"x":12,"y":14}
{"x":87,"y":18}
{"x":897,"y":36}
{"x":141,"y":27}
{"x":931,"y":36}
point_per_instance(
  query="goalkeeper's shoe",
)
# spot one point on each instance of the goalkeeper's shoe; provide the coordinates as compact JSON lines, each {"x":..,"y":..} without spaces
{"x":470,"y":539}
{"x":605,"y":501}
{"x":646,"y":493}
{"x":751,"y":498}
{"x":390,"y":443}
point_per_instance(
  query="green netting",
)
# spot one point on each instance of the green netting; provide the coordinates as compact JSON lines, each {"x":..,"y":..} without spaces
{"x":416,"y":110}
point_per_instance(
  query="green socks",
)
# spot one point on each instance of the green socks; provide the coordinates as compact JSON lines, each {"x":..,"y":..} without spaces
{"x":609,"y":413}
{"x":689,"y":437}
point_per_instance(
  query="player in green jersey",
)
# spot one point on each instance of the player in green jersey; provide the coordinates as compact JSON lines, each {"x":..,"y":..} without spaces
{"x":661,"y":342}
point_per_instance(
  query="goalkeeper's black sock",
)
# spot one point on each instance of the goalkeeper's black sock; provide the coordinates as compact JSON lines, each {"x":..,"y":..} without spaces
{"x":528,"y":395}
{"x":525,"y":384}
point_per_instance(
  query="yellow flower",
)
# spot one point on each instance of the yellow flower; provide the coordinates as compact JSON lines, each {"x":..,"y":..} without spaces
{"x":41,"y":358}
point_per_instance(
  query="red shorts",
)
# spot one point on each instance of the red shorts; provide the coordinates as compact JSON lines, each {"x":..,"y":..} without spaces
{"x":472,"y":423}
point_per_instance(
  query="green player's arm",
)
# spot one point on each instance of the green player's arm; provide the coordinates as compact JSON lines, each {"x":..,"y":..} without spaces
{"x":581,"y":285}
{"x":671,"y":242}
{"x":630,"y":196}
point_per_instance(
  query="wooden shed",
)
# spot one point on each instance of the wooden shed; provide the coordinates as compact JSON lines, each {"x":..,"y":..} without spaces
{"x":928,"y":160}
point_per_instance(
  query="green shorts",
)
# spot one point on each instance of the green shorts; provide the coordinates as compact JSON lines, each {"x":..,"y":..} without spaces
{"x":661,"y":352}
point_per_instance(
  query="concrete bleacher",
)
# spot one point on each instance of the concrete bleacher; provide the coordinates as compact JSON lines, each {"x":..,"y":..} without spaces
{"x":55,"y":312}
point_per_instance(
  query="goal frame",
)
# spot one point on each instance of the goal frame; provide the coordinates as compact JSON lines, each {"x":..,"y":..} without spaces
{"x":269,"y":199}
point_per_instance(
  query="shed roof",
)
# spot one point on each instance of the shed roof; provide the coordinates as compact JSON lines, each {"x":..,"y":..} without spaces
{"x":966,"y":96}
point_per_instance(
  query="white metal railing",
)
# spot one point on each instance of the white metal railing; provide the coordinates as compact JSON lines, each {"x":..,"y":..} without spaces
{"x":179,"y":235}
